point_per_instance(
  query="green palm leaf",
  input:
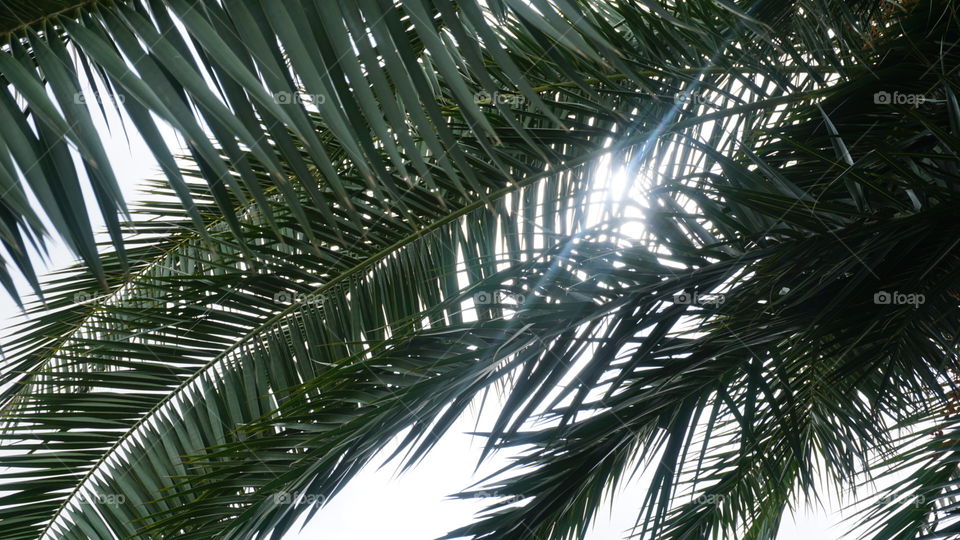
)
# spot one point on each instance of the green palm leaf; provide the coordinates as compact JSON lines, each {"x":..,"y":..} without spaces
{"x":298,"y":294}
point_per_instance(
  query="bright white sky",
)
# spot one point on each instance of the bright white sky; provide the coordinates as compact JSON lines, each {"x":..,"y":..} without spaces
{"x":377,"y":504}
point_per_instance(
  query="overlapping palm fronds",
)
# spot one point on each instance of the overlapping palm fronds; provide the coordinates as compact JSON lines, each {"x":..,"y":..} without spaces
{"x":305,"y":294}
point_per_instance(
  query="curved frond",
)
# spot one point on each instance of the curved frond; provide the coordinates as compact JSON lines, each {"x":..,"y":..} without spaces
{"x":329,"y":276}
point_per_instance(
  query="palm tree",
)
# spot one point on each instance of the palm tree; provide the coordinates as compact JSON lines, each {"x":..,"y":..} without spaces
{"x":388,"y":209}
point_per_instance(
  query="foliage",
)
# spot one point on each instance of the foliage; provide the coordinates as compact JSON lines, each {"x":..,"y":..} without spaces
{"x":300,"y":291}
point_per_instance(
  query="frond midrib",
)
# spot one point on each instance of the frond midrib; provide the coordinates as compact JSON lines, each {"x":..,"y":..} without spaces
{"x":263,"y":326}
{"x":7,"y":30}
{"x":130,"y":280}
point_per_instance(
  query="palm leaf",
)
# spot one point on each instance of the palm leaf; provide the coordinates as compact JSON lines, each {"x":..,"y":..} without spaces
{"x":798,"y":217}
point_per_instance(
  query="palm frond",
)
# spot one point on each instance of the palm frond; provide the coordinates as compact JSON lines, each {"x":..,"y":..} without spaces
{"x":268,"y":340}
